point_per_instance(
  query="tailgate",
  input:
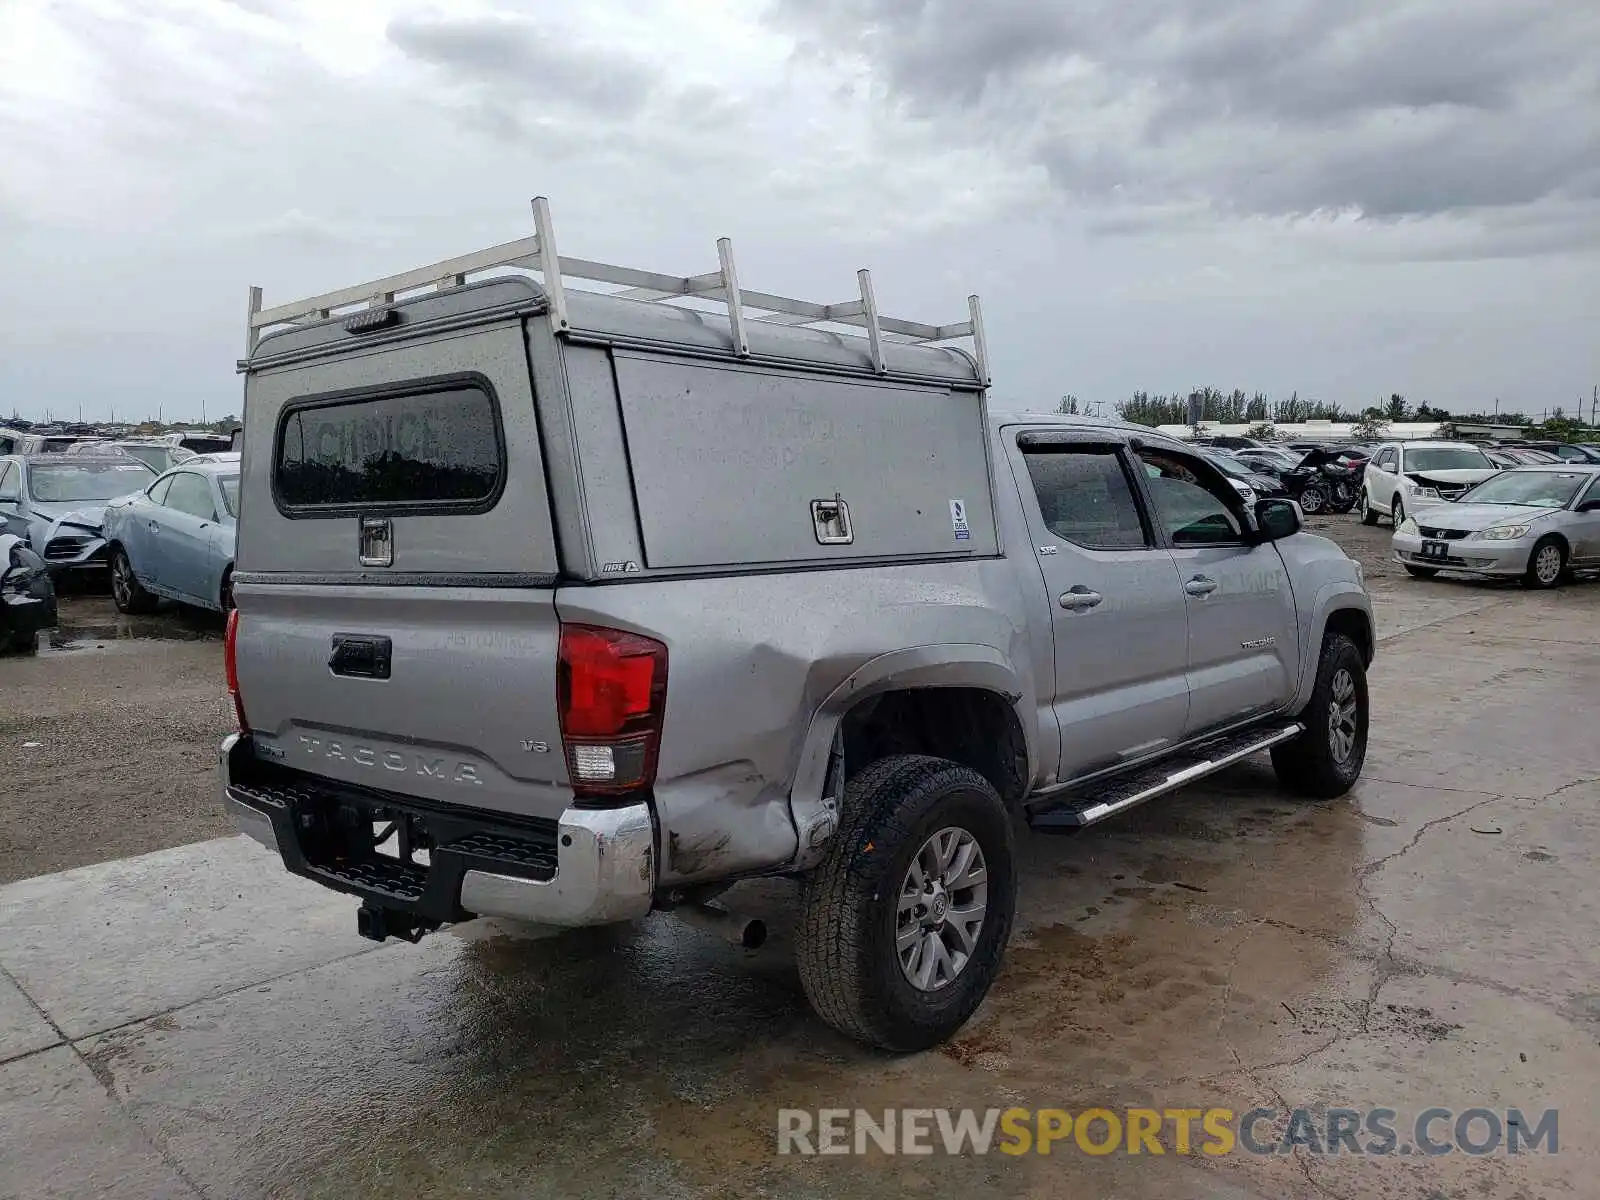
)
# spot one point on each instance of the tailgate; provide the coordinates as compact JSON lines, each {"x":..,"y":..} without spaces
{"x":396,"y":571}
{"x":456,"y":703}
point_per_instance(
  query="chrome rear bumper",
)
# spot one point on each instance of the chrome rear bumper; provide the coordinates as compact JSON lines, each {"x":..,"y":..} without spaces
{"x":600,"y":869}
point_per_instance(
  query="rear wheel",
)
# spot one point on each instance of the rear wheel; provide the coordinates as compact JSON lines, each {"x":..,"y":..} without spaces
{"x":1313,"y":499}
{"x":1547,"y":564}
{"x":226,"y":598}
{"x":126,"y":591}
{"x":1325,"y":761}
{"x":903,"y":925}
{"x":1369,"y":515}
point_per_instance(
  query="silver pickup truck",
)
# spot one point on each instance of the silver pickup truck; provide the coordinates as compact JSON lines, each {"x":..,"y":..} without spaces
{"x":564,"y":606}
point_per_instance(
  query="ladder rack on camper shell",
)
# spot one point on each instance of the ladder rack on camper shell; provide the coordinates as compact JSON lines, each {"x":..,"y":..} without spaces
{"x":538,"y":252}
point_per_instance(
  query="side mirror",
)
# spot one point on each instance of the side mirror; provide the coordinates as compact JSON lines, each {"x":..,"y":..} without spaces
{"x":1276,"y":518}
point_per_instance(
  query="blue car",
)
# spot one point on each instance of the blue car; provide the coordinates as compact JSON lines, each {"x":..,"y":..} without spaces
{"x":55,"y":504}
{"x":175,"y":539}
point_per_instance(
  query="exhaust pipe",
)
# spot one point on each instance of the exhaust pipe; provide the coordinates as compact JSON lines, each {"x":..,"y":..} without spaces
{"x":746,"y":932}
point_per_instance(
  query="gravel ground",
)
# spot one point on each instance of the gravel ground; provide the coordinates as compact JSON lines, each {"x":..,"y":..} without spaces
{"x":1368,"y":545}
{"x":108,"y":737}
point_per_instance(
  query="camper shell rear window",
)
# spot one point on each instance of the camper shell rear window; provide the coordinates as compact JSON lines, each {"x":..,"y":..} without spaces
{"x":424,"y":446}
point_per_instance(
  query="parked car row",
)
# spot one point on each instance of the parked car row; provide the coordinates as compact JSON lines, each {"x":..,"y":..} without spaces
{"x":167,"y":534}
{"x":55,"y":503}
{"x":175,"y":539}
{"x":60,"y":439}
{"x":1524,"y":511}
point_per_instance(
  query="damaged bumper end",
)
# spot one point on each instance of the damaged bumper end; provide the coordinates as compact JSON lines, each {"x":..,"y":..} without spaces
{"x":72,"y":547}
{"x":438,"y":863}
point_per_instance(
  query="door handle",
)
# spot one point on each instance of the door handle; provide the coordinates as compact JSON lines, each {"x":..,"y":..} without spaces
{"x":1080,"y":599}
{"x":1200,"y":586}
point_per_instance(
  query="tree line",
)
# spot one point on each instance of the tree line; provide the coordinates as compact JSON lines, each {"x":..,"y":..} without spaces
{"x":1256,"y":408}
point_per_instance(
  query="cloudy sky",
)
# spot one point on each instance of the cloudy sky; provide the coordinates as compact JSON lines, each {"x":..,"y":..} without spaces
{"x":1347,"y":199}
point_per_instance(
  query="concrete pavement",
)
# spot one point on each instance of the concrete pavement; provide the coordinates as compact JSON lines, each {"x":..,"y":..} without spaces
{"x":194,"y":1022}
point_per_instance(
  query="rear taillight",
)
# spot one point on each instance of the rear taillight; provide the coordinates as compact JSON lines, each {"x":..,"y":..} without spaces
{"x":611,"y":692}
{"x":232,"y":667}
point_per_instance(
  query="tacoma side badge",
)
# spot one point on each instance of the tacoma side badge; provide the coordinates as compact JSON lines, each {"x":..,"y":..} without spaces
{"x":377,"y":542}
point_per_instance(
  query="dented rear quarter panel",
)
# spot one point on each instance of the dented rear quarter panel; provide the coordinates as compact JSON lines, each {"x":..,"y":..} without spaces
{"x":751,"y":660}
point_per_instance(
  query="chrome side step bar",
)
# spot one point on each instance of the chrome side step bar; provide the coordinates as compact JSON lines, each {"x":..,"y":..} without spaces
{"x":1118,"y":794}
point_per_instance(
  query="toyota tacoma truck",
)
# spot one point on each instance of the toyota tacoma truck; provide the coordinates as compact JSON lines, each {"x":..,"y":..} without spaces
{"x":567,"y":605}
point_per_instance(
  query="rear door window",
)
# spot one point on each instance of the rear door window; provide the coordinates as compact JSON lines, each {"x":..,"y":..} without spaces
{"x":421,"y":448}
{"x":191,"y":494}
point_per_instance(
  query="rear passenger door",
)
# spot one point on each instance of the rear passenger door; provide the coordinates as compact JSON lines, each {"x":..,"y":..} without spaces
{"x":1117,"y":609}
{"x":1381,"y":476}
{"x":1244,"y":649}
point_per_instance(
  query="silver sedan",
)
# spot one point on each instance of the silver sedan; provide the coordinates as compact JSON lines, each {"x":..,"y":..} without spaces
{"x":1533,"y":523}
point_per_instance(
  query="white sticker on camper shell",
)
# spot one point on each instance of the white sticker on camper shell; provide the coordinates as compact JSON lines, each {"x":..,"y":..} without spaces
{"x":958,"y":520}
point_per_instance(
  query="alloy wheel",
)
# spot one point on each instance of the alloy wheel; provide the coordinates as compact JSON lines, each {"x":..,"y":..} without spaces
{"x":1342,"y":725}
{"x":121,"y":585}
{"x":1547,"y":564}
{"x":943,"y":900}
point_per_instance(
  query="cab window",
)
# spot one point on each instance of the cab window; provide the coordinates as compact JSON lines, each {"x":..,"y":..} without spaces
{"x":1189,"y":500}
{"x":1086,"y":498}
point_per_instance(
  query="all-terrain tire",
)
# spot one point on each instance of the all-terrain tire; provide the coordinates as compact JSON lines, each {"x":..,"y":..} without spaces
{"x":1325,"y":761}
{"x":845,"y":941}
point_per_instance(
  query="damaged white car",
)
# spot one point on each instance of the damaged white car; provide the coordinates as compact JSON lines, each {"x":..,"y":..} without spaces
{"x":55,"y":503}
{"x":1405,"y":477}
